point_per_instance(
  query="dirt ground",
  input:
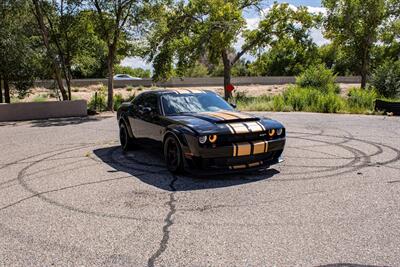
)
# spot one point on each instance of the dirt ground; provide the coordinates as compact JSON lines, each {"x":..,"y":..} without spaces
{"x":43,"y":94}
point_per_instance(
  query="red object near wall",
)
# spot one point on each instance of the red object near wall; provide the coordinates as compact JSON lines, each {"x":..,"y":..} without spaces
{"x":230,"y":87}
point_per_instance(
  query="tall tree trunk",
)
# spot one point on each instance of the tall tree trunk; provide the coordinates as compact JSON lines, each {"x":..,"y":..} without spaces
{"x":110,"y":81}
{"x":1,"y":90}
{"x":6,"y":91}
{"x":364,"y":68}
{"x":45,"y":36}
{"x":227,"y":74}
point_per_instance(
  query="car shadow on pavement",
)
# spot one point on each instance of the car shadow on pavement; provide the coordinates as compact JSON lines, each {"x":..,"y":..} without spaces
{"x":147,"y":164}
{"x":66,"y":121}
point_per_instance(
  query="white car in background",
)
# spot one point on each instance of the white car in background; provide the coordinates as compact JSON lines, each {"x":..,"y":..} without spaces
{"x":125,"y":77}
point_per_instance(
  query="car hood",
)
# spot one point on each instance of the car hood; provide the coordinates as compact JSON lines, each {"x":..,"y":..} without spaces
{"x":224,"y":122}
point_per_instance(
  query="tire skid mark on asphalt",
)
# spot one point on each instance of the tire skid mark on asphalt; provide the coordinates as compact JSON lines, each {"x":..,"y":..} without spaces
{"x":29,"y":178}
{"x":41,"y":196}
{"x":19,"y":176}
{"x":23,"y":160}
{"x":168,"y":223}
{"x":14,"y":182}
{"x":361,"y":155}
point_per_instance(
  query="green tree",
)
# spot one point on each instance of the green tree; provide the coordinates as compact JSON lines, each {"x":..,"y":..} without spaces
{"x":134,"y":72}
{"x":354,"y":26}
{"x":191,"y":29}
{"x":286,"y":57}
{"x":39,"y":8}
{"x":18,"y":53}
{"x":117,"y":19}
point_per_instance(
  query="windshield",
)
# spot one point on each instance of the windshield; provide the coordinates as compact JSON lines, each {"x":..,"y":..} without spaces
{"x":193,"y":103}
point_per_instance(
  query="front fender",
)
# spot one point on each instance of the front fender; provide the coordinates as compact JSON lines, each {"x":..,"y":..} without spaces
{"x":123,"y":118}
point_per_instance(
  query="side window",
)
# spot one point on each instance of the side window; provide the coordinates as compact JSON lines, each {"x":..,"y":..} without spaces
{"x":137,"y":101}
{"x":151,"y":101}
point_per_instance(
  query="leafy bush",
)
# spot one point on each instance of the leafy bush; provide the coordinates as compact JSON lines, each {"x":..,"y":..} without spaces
{"x":330,"y":103}
{"x":386,"y":79}
{"x":98,"y":101}
{"x":318,"y":77}
{"x":312,"y":100}
{"x":360,"y":99}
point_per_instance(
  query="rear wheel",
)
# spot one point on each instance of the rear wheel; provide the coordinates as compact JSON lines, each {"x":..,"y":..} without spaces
{"x":127,"y":143}
{"x":173,"y":155}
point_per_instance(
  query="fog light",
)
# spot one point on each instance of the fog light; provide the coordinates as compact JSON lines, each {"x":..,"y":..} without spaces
{"x":271,"y":132}
{"x":212,"y":138}
{"x":279,"y":131}
{"x":202,"y":139}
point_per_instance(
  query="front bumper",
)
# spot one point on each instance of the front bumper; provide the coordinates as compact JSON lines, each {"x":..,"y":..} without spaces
{"x":237,"y":157}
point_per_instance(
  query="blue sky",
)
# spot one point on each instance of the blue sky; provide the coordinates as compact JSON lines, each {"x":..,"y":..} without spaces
{"x":317,"y":35}
{"x":315,"y":3}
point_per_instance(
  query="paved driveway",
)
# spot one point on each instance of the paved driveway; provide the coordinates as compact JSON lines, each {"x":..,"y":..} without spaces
{"x":68,"y":196}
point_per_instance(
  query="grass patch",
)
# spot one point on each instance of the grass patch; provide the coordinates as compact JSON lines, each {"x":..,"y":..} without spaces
{"x":310,"y":99}
{"x":40,"y":98}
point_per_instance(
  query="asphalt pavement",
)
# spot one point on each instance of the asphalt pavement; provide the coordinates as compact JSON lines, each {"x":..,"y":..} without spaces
{"x":69,"y":196}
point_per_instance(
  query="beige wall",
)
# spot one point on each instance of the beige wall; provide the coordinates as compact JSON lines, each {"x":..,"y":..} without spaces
{"x":42,"y":110}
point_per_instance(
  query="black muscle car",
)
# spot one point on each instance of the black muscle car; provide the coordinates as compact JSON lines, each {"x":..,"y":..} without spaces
{"x":200,"y":131}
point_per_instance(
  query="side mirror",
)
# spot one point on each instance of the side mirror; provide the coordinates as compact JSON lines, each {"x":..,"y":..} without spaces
{"x":144,"y":110}
{"x":233,"y":105}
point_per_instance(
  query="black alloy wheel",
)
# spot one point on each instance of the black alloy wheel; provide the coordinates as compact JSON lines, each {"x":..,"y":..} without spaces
{"x":124,"y":138}
{"x":173,"y":155}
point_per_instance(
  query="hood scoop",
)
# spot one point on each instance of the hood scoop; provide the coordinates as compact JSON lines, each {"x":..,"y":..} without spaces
{"x":227,"y":117}
{"x":236,"y":120}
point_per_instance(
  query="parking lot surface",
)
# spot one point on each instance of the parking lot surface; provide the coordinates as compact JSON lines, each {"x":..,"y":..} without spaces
{"x":69,"y":196}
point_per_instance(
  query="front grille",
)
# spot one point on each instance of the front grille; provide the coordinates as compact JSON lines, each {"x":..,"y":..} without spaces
{"x":229,"y":139}
{"x":233,"y":161}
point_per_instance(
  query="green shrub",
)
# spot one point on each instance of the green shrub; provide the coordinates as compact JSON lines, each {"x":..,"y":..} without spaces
{"x":361,"y":100}
{"x":330,"y":103}
{"x":118,"y":100}
{"x":98,"y":101}
{"x":386,"y":79}
{"x":318,"y":77}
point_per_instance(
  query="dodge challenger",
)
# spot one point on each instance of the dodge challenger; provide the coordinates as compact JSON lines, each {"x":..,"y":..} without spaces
{"x":200,"y":131}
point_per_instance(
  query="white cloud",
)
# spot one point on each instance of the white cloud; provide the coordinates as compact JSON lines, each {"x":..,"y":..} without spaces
{"x":136,"y":62}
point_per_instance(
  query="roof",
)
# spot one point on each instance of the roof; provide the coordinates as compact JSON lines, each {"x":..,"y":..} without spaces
{"x":178,"y":91}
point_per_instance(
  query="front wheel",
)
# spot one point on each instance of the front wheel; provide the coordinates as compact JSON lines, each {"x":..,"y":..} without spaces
{"x":173,"y":155}
{"x":126,"y":141}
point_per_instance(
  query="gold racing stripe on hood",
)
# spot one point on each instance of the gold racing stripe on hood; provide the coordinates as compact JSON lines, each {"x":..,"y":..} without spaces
{"x":238,"y":115}
{"x":238,"y":128}
{"x":253,"y":127}
{"x":220,"y":115}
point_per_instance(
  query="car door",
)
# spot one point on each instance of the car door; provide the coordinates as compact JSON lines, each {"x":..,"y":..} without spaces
{"x":146,"y":121}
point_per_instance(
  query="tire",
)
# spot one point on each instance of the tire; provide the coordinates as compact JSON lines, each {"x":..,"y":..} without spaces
{"x":173,"y":155}
{"x":127,"y":143}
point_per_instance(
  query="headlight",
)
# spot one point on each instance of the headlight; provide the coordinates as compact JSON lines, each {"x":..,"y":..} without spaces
{"x":212,"y":138}
{"x":279,"y":131}
{"x":271,"y":132}
{"x":202,"y":139}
